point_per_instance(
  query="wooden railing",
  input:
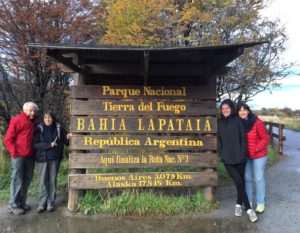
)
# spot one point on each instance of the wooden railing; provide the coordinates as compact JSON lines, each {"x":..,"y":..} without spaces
{"x":279,"y":136}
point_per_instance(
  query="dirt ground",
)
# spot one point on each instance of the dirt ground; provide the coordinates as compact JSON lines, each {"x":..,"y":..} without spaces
{"x":282,"y":210}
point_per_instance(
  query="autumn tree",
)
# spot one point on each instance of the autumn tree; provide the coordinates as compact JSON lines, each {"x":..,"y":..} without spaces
{"x":28,"y":75}
{"x":205,"y":23}
{"x":237,"y":21}
{"x":141,"y":22}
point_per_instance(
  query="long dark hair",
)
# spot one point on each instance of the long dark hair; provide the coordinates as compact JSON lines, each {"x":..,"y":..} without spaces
{"x":245,"y":106}
{"x":231,"y":105}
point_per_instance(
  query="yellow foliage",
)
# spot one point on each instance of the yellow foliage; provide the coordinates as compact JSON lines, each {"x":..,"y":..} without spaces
{"x":137,"y":22}
{"x":166,"y":22}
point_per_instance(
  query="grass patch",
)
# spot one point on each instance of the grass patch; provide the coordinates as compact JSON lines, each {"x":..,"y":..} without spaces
{"x":223,"y":176}
{"x":274,"y":156}
{"x":5,"y":165}
{"x":292,"y":123}
{"x":142,"y":203}
{"x":5,"y":172}
{"x":5,"y":176}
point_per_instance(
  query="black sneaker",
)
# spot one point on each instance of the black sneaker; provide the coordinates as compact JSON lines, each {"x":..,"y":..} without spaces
{"x":26,"y":207}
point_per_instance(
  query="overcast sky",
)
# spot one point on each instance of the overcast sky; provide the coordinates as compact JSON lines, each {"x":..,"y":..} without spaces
{"x":289,"y":94}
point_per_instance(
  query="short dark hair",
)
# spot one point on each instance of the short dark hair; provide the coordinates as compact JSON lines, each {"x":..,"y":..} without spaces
{"x":230,"y":103}
{"x":245,"y":106}
{"x":50,"y":113}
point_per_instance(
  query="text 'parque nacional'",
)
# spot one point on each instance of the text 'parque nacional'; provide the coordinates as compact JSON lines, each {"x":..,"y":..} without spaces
{"x":146,"y":91}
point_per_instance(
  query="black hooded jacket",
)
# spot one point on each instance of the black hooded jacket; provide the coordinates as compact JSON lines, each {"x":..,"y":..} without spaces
{"x":42,"y":142}
{"x":232,"y":145}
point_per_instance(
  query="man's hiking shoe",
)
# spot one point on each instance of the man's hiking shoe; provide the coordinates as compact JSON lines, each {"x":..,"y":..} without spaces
{"x":16,"y":211}
{"x":260,"y":208}
{"x":252,"y":215}
{"x":238,"y":210}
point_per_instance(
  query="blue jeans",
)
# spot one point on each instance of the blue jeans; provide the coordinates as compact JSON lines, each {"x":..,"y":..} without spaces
{"x":255,"y":168}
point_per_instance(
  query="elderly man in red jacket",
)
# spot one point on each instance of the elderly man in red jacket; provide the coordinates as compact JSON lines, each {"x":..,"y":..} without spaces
{"x":18,"y":140}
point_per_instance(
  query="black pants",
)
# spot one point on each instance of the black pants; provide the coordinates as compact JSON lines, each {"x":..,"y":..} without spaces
{"x":237,"y":173}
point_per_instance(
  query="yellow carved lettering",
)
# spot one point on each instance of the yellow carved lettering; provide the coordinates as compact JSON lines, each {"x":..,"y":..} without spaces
{"x":91,"y":124}
{"x":151,"y":125}
{"x":179,"y":122}
{"x":198,"y":125}
{"x":80,"y":123}
{"x":103,"y":124}
{"x":140,"y":125}
{"x":105,"y":89}
{"x":170,"y":126}
{"x":161,"y":123}
{"x":113,"y":124}
{"x":189,"y":125}
{"x":207,"y":125}
{"x":122,"y":125}
{"x":88,"y":141}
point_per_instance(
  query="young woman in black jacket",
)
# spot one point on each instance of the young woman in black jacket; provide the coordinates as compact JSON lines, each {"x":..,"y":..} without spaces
{"x":49,"y":141}
{"x":232,"y":149}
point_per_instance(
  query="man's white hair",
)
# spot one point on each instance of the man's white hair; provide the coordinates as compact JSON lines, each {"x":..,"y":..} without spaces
{"x":28,"y":105}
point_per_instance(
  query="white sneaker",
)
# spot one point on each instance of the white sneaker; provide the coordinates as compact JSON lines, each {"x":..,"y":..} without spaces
{"x":238,"y":210}
{"x":252,"y":215}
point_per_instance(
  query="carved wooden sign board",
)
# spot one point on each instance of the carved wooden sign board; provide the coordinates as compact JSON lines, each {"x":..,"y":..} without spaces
{"x":143,"y":127}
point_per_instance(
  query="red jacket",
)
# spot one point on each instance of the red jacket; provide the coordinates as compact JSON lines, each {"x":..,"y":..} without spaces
{"x":19,"y":136}
{"x":258,"y":140}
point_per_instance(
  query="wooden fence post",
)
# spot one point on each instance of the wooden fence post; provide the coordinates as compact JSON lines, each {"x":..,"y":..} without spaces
{"x":271,"y":133}
{"x":278,"y":136}
{"x":281,"y":138}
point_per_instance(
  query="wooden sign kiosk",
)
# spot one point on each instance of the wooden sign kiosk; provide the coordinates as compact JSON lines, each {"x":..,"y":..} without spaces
{"x":135,"y":107}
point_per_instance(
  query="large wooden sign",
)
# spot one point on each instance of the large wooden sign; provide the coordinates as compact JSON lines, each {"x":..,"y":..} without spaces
{"x":143,"y":127}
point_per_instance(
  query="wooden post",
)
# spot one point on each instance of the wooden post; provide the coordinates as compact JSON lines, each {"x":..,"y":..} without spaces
{"x":281,"y":138}
{"x":75,"y":194}
{"x":271,"y":133}
{"x":210,"y":192}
